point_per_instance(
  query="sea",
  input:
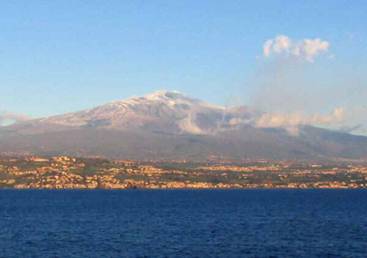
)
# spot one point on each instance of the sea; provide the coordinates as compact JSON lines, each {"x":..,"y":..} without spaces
{"x":183,"y":223}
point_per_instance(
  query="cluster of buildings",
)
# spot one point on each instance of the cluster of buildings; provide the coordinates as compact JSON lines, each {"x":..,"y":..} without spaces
{"x":63,"y":172}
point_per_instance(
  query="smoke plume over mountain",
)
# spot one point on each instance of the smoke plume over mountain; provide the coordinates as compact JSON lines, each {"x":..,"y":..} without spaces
{"x":9,"y":117}
{"x":170,"y":125}
{"x":293,"y":87}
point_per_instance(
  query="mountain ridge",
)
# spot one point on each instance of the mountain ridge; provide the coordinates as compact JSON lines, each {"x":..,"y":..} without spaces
{"x":160,"y":110}
{"x":170,"y":125}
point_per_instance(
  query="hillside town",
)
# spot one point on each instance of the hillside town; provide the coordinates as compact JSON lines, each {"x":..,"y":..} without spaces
{"x":63,"y":172}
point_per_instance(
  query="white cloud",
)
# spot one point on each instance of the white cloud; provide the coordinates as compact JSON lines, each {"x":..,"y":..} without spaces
{"x":292,"y":121}
{"x":307,"y":49}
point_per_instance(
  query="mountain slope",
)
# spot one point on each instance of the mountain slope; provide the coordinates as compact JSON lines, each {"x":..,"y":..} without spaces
{"x":161,"y":111}
{"x":169,"y":125}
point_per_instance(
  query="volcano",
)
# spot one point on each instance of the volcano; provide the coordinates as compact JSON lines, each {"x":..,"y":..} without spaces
{"x":172,"y":126}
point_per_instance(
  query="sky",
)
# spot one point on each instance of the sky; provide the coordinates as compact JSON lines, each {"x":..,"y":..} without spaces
{"x":62,"y":56}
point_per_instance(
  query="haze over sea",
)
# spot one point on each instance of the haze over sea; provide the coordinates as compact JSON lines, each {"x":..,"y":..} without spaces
{"x":185,"y":223}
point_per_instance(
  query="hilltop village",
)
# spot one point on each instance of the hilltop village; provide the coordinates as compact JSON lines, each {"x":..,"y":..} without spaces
{"x":63,"y":172}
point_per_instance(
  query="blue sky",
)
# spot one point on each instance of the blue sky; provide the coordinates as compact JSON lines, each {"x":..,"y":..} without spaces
{"x":62,"y":56}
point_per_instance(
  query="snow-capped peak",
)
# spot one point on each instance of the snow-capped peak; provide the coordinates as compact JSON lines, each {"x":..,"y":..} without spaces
{"x":167,"y":111}
{"x":163,"y":94}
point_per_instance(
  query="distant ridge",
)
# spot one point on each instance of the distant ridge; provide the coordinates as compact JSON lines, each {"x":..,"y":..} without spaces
{"x":171,"y":125}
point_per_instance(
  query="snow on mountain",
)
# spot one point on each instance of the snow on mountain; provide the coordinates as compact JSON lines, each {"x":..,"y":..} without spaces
{"x":170,"y":125}
{"x":162,"y":111}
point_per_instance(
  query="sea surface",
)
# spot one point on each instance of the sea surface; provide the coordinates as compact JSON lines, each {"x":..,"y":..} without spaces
{"x":183,"y":223}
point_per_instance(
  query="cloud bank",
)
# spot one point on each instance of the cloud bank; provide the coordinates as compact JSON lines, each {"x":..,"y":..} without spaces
{"x":306,"y":49}
{"x":292,"y":121}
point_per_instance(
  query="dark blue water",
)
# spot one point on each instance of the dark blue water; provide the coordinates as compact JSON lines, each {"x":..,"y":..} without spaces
{"x":235,"y":223}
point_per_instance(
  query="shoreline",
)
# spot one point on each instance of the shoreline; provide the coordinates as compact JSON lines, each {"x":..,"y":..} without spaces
{"x":177,"y":189}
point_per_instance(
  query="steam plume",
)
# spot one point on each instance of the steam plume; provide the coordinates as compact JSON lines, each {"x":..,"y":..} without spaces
{"x":295,"y":93}
{"x":307,"y":49}
{"x":292,"y":121}
{"x":9,"y":117}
